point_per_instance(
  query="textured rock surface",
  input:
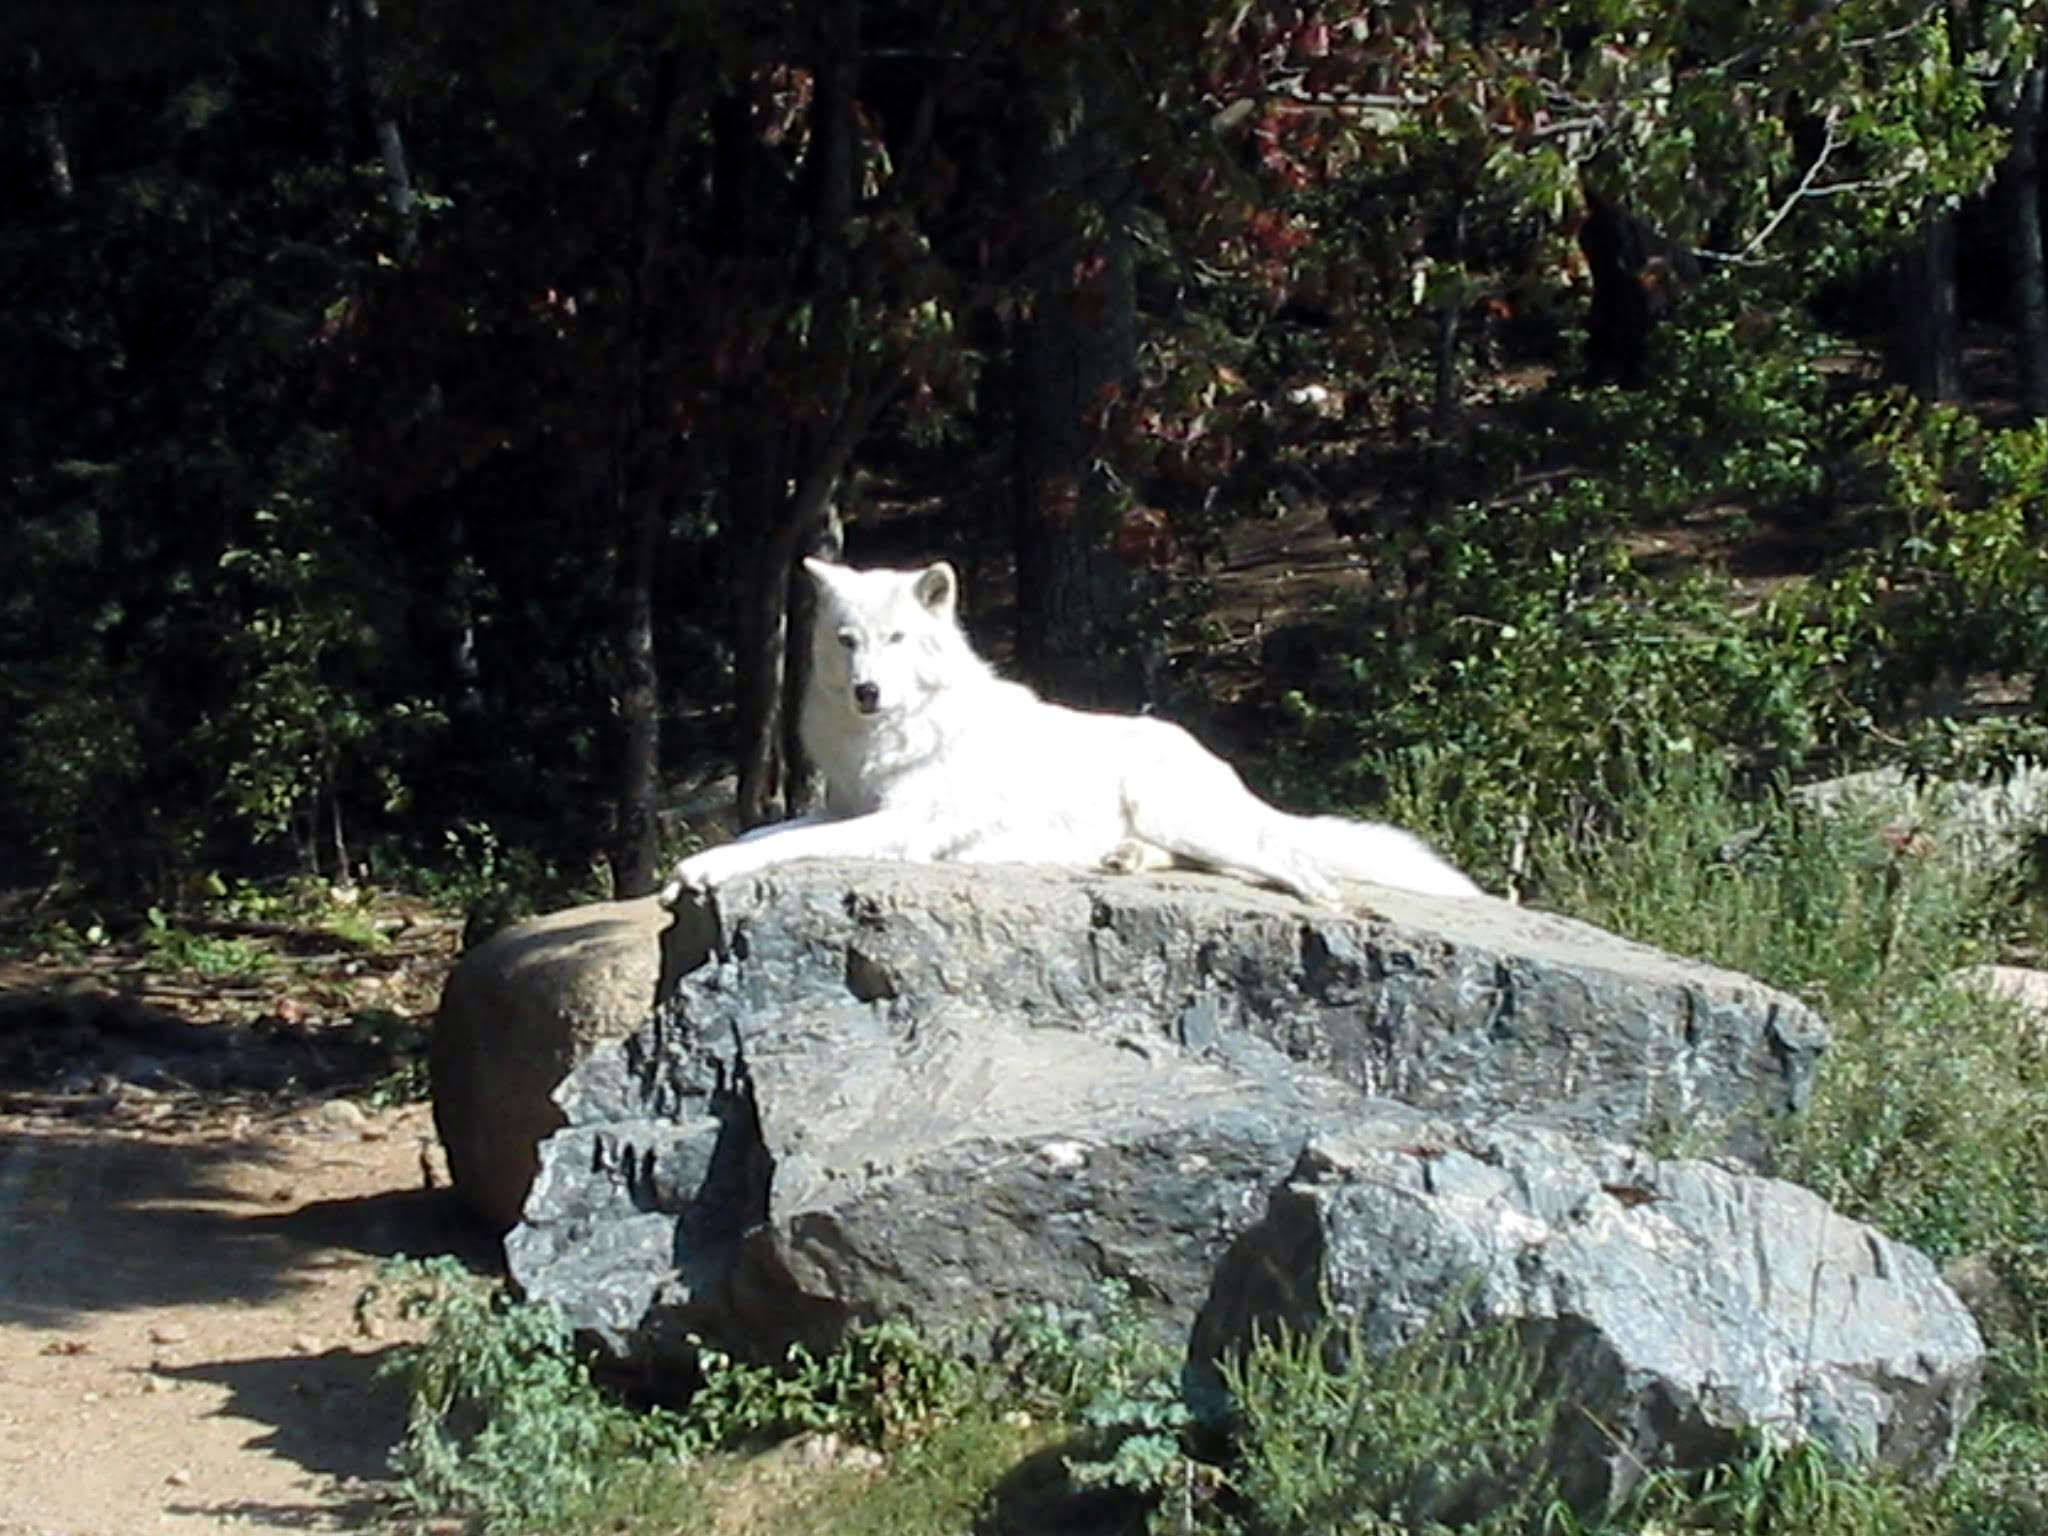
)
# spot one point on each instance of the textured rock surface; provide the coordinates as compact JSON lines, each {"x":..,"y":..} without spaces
{"x":944,"y":1091}
{"x":1681,"y":1302}
{"x":517,"y":1013}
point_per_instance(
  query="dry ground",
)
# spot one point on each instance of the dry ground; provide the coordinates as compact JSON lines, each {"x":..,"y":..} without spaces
{"x":180,"y":1266}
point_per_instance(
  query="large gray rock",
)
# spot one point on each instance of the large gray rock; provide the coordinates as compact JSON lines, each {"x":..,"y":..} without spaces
{"x":944,"y":1091}
{"x":517,"y":1012}
{"x":1679,"y":1304}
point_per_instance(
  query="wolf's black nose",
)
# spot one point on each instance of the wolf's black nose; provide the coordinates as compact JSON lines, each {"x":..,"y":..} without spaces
{"x":867,"y":696}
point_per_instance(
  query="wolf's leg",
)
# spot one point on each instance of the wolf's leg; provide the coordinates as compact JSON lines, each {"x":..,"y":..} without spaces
{"x":1184,"y":799}
{"x":878,"y":835}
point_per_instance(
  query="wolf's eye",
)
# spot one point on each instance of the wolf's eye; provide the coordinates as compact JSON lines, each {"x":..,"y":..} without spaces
{"x":848,"y":638}
{"x":895,"y":638}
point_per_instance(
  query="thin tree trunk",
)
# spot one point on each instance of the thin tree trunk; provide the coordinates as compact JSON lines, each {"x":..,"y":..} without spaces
{"x":1447,"y":400}
{"x":1927,"y":348}
{"x":833,"y":169}
{"x":336,"y":53}
{"x":800,"y":520}
{"x":756,"y":502}
{"x":635,"y":854}
{"x":398,"y":190}
{"x":49,"y":134}
{"x":792,"y":523}
{"x":643,"y":463}
{"x":1616,"y":246}
{"x":1081,"y":634}
{"x":2023,"y":183}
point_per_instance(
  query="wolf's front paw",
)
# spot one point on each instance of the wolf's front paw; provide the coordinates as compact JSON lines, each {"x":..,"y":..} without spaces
{"x":702,"y":873}
{"x":1126,"y":858}
{"x":1135,"y":857}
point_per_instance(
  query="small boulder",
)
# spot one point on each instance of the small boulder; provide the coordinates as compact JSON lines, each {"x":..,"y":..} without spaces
{"x":1677,"y":1306}
{"x":519,"y":1011}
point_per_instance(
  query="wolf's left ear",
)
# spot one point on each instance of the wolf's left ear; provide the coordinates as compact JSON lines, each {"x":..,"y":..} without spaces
{"x":938,"y":589}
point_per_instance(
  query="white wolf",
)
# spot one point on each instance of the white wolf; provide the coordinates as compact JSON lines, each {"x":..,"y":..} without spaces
{"x":929,"y":757}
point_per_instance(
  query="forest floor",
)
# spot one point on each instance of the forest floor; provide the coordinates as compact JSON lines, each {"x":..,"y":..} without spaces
{"x":197,"y":1181}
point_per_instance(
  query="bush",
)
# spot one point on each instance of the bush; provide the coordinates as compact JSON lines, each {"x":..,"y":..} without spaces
{"x":1450,"y":1428}
{"x":506,"y":1425}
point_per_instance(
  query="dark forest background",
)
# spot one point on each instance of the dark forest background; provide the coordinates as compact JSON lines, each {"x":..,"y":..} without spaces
{"x":411,"y":411}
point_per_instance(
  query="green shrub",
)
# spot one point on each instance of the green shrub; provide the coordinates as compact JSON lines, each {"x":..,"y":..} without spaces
{"x":1518,"y":657}
{"x":507,"y":1428}
{"x":1769,"y":1490}
{"x":883,"y":1386}
{"x":1450,"y":1428}
{"x":1109,"y":1374}
{"x":505,"y":1425}
{"x":177,"y":948}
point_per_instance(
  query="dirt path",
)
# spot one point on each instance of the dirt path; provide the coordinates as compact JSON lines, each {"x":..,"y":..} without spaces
{"x":178,"y":1345}
{"x":194,"y":1189}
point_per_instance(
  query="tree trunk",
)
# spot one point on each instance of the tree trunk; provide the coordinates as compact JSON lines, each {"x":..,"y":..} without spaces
{"x":798,"y":524}
{"x":635,"y":854}
{"x":1927,"y":351}
{"x":337,"y":53}
{"x":49,"y":133}
{"x":832,"y":168}
{"x":790,"y":521}
{"x":2030,"y":273}
{"x":1446,"y":406}
{"x":1081,"y":631}
{"x":641,"y":469}
{"x":756,"y":502}
{"x":398,"y":192}
{"x":1617,"y":248}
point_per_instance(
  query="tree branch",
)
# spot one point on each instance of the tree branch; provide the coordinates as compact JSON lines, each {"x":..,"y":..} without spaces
{"x":1807,"y":188}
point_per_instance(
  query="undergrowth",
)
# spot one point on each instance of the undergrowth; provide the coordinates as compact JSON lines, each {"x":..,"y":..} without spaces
{"x":1447,"y":1430}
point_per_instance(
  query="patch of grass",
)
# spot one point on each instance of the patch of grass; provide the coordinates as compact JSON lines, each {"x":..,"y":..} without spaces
{"x":175,"y":948}
{"x":881,"y":1388}
{"x":1769,"y":1490}
{"x":943,"y":1483}
{"x":1449,"y":1429}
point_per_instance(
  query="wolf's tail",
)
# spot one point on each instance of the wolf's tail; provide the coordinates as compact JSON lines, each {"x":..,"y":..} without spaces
{"x":1369,"y":850}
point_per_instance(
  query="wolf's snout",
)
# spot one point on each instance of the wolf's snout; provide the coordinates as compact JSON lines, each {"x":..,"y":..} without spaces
{"x":867,"y":697}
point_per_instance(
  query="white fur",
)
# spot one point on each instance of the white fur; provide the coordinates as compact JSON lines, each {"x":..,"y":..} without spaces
{"x":951,"y":764}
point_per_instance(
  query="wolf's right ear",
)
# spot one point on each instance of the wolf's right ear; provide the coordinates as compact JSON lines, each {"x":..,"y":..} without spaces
{"x":821,"y":571}
{"x":938,"y":588}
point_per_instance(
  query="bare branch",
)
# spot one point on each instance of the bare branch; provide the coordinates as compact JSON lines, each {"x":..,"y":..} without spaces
{"x":1809,"y":187}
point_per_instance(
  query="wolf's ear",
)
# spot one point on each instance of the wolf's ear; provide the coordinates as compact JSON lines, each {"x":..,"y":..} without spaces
{"x":938,"y":588}
{"x":823,"y":572}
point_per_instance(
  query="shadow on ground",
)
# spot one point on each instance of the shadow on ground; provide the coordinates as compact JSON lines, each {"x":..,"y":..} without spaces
{"x":329,"y":1413}
{"x":95,"y":1223}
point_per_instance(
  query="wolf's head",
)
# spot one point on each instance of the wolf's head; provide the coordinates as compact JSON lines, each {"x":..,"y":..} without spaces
{"x":885,"y":641}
